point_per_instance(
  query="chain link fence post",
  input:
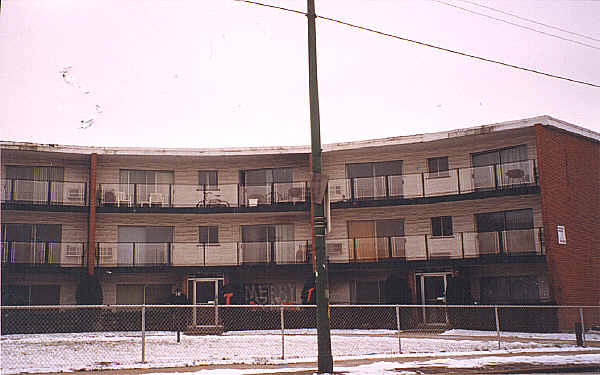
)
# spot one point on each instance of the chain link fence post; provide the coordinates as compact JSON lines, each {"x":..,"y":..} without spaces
{"x":398,"y":328}
{"x":582,"y":325}
{"x":144,"y":333}
{"x":497,"y":325}
{"x":282,"y":333}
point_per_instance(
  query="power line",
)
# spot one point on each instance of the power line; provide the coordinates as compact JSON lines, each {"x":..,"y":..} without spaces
{"x":529,"y":20}
{"x":425,"y":44}
{"x":517,"y":25}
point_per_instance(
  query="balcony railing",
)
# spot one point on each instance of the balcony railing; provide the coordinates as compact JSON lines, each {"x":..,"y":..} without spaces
{"x":225,"y":195}
{"x":60,"y":193}
{"x":133,"y":254}
{"x":62,"y":254}
{"x":462,"y":245}
{"x":451,"y":182}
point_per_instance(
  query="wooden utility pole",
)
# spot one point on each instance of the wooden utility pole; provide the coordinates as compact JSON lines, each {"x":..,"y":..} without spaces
{"x":325,"y":360}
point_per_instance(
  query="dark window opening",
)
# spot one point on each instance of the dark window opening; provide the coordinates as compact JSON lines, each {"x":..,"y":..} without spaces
{"x":441,"y":226}
{"x":510,"y":289}
{"x":208,"y":179}
{"x":30,"y":295}
{"x":506,"y":155}
{"x":208,"y":234}
{"x":376,"y":169}
{"x":504,"y":220}
{"x":438,"y":166}
{"x":34,"y":173}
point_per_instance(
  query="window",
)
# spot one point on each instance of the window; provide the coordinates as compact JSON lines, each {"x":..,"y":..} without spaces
{"x":208,"y":178}
{"x":262,"y":177}
{"x":389,"y":228}
{"x":438,"y":167}
{"x":143,"y":245}
{"x":24,"y":295}
{"x":506,"y":155}
{"x":267,"y":233}
{"x":127,"y":176}
{"x":31,"y":233}
{"x":441,"y":226}
{"x":376,"y":169}
{"x":367,"y":292}
{"x":511,"y":289}
{"x":370,"y":180}
{"x":34,"y":173}
{"x":138,"y":294}
{"x":208,"y":234}
{"x":504,"y":220}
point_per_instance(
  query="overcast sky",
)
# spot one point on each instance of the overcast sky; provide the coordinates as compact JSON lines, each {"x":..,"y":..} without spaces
{"x":220,"y":73}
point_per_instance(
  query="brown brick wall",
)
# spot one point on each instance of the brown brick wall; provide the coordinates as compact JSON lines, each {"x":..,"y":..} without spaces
{"x":569,"y":173}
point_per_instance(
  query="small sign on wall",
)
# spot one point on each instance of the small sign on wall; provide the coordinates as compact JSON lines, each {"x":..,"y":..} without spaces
{"x":562,"y":235}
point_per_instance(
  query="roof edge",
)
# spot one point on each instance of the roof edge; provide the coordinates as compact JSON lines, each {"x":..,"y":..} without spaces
{"x":340,"y":146}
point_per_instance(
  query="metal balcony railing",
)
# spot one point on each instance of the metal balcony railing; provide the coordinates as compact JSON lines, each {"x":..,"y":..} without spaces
{"x":133,"y":254}
{"x":450,"y":182}
{"x":61,"y":193}
{"x":424,"y":247}
{"x":62,"y":254}
{"x":224,"y":195}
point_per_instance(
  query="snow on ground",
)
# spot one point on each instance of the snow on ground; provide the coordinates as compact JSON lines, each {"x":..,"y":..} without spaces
{"x":117,"y":350}
{"x":590,"y":336}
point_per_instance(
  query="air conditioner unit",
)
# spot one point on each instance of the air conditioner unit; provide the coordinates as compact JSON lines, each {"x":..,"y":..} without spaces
{"x":109,"y":195}
{"x":74,"y":194}
{"x":334,"y":248}
{"x":73,"y":250}
{"x":338,"y":191}
{"x":106,"y":254}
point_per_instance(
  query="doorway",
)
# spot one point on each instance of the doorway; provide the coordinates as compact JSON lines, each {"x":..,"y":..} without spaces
{"x":431,"y":290}
{"x":204,"y":295}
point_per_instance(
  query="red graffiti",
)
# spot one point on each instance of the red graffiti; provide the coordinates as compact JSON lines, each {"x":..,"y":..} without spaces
{"x":309,"y":294}
{"x":228,"y":298}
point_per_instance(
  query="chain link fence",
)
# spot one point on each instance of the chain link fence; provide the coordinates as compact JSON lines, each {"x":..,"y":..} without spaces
{"x":58,"y":338}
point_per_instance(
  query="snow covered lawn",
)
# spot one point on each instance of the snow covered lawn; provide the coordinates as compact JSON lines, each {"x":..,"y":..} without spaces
{"x":102,"y":350}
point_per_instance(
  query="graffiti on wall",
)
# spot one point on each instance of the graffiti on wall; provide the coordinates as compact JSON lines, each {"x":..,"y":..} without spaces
{"x":270,"y":294}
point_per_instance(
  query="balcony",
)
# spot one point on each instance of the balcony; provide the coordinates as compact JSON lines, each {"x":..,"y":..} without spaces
{"x":464,"y":245}
{"x":47,"y":193}
{"x":59,"y":254}
{"x":424,"y":185}
{"x":133,"y":254}
{"x":201,"y":196}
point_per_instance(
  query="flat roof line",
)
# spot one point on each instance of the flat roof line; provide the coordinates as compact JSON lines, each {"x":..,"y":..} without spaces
{"x":245,"y":151}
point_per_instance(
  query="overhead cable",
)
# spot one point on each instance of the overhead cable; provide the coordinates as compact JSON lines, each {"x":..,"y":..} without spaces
{"x":426,"y":44}
{"x":517,"y":25}
{"x":529,"y":20}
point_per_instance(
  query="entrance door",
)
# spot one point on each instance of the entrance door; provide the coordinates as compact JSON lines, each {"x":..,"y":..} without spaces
{"x":204,"y":296}
{"x":362,"y":234}
{"x":431,"y":290}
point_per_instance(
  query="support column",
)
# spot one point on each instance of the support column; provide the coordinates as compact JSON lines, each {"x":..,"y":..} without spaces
{"x":92,"y":216}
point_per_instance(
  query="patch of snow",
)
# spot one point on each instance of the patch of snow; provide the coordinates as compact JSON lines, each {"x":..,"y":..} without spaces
{"x":120,"y":350}
{"x":589,"y":336}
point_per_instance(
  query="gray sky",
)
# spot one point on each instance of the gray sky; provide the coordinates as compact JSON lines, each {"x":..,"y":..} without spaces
{"x":220,"y":73}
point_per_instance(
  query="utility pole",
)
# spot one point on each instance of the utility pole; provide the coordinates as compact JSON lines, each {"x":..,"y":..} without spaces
{"x":325,"y":360}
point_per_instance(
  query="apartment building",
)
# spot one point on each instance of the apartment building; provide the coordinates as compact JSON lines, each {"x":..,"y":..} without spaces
{"x":506,"y":213}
